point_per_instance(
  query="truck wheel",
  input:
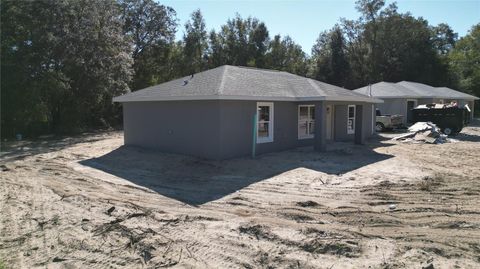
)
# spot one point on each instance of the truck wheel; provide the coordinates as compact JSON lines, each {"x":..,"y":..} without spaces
{"x":379,"y":127}
{"x":447,"y":131}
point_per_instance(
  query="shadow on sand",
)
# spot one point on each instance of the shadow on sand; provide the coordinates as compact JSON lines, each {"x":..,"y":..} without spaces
{"x":467,"y":137}
{"x":17,"y":150}
{"x":463,"y":136}
{"x":197,"y":181}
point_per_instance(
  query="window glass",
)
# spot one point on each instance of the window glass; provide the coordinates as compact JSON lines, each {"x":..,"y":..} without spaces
{"x":306,"y":120}
{"x":263,"y":129}
{"x":303,"y":113}
{"x":311,"y":127}
{"x":351,"y":111}
{"x":265,"y":122}
{"x":351,"y":119}
{"x":264,"y":113}
{"x":350,"y":124}
{"x":302,"y":129}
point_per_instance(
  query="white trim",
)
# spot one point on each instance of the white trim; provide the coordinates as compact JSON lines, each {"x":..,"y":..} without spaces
{"x":268,"y":139}
{"x":126,"y":98}
{"x":351,"y":131}
{"x":406,"y":107}
{"x":308,"y":136}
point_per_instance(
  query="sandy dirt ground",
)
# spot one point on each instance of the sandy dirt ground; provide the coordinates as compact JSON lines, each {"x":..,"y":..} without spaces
{"x":89,"y":202}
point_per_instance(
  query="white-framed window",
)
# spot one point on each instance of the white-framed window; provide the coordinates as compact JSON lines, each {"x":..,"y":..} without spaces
{"x":351,"y":119}
{"x":264,"y":122}
{"x":306,"y":121}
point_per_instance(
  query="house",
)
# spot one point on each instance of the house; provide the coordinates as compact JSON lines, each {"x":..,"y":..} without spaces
{"x":232,"y":111}
{"x":401,"y":97}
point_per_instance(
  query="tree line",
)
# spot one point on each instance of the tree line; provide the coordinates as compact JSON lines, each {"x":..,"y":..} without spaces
{"x":62,"y":61}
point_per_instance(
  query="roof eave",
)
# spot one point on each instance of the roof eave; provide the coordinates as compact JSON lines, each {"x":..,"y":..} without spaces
{"x":123,"y":99}
{"x":422,"y":97}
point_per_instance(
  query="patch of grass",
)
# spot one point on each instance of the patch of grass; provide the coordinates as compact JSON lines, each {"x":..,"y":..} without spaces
{"x":428,"y":183}
{"x":298,"y":217}
{"x":435,"y":250}
{"x":55,"y":220}
{"x":386,"y":184}
{"x":2,"y":265}
{"x":308,"y":203}
{"x":259,"y":231}
{"x":200,"y":218}
{"x":347,"y":248}
{"x":310,"y":231}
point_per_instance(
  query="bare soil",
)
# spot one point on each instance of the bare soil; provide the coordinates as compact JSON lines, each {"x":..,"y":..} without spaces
{"x":88,"y":201}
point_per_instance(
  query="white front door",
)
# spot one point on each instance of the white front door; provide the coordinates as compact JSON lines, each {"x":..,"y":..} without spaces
{"x":329,"y":122}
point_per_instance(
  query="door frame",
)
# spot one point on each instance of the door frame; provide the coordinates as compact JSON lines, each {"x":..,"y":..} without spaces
{"x":415,"y":101}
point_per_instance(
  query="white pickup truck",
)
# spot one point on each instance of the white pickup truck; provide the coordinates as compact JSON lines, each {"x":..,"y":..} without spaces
{"x":387,"y":122}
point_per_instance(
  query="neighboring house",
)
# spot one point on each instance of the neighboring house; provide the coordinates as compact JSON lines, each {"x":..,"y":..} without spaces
{"x":401,"y":97}
{"x":212,"y":114}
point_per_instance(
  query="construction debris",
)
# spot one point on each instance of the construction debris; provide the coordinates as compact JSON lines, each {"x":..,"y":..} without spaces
{"x":423,"y":132}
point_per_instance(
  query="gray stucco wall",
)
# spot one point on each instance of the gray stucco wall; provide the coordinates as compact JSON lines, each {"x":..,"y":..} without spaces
{"x":471,"y":104}
{"x":285,"y":129}
{"x":236,"y":119}
{"x":368,"y":120}
{"x":221,"y":129}
{"x":187,"y":127}
{"x":236,"y":132}
{"x":341,"y":117}
{"x":340,"y":128}
{"x":399,"y":105}
{"x":394,"y":106}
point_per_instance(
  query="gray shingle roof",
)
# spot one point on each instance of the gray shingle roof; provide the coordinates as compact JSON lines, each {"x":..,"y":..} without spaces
{"x":407,"y":89}
{"x":243,"y":83}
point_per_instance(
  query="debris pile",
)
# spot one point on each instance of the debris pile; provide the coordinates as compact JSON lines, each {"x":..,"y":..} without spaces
{"x":424,"y":132}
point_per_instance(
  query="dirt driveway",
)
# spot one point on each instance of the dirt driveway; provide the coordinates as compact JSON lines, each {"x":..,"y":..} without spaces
{"x":87,"y":201}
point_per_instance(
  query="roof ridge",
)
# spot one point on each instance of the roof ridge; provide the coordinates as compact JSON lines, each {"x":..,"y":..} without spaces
{"x":314,"y":85}
{"x":228,"y":82}
{"x":256,"y":68}
{"x":222,"y":80}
